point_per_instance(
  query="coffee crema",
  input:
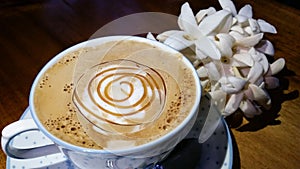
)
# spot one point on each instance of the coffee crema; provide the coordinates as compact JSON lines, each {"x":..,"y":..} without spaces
{"x":159,"y":92}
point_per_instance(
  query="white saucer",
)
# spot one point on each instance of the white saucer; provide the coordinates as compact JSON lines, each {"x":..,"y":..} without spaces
{"x":216,"y":152}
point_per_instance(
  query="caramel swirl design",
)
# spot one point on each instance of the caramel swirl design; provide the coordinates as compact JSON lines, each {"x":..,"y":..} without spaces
{"x":120,"y":95}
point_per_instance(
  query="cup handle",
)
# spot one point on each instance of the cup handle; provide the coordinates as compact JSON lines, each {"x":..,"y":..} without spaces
{"x":29,"y":155}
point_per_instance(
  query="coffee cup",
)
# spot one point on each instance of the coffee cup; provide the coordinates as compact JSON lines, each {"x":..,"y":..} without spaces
{"x":78,"y":132}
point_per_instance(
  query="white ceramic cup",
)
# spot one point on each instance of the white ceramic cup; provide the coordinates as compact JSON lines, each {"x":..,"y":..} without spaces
{"x":135,"y":157}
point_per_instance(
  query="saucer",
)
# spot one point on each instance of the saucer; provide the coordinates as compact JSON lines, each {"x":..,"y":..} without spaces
{"x":215,"y":153}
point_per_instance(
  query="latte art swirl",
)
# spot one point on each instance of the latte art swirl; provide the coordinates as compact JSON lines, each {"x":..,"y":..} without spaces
{"x":120,"y":93}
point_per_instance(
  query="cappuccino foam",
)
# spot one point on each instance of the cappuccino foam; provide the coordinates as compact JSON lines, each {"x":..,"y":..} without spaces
{"x":120,"y":94}
{"x":55,"y":108}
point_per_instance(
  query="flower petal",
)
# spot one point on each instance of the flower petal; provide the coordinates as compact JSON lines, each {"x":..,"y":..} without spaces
{"x":234,"y":21}
{"x":262,"y":59}
{"x":228,"y":5}
{"x":163,"y":36}
{"x":150,"y":36}
{"x":254,"y":25}
{"x":202,"y":72}
{"x":250,"y":41}
{"x":200,"y":55}
{"x":187,"y":21}
{"x":266,"y":27}
{"x":237,"y":28}
{"x":213,"y":72}
{"x":244,"y":58}
{"x":232,"y":84}
{"x":236,"y":72}
{"x":207,"y":47}
{"x":248,"y":31}
{"x":178,"y":41}
{"x":260,"y":96}
{"x":248,"y":93}
{"x":249,"y":109}
{"x":277,"y":66}
{"x":271,"y":82}
{"x":246,"y":11}
{"x":266,"y":47}
{"x":252,"y":51}
{"x":241,"y":18}
{"x":233,"y":103}
{"x":238,"y":83}
{"x":205,"y":12}
{"x":225,"y":44}
{"x":255,"y":72}
{"x":220,"y":20}
{"x":235,"y":63}
{"x":205,"y":84}
{"x":260,"y":82}
{"x":236,"y":35}
{"x":226,"y":25}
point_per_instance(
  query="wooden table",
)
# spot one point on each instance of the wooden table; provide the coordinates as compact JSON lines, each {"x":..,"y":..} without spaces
{"x":33,"y":31}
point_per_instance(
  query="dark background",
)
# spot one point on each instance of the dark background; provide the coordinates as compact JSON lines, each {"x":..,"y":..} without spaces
{"x":3,"y":3}
{"x":293,"y":3}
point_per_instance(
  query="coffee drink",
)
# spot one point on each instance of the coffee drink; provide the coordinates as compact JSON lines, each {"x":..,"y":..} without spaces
{"x":129,"y":92}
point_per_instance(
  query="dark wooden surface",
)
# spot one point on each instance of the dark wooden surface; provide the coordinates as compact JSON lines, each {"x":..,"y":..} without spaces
{"x":33,"y":31}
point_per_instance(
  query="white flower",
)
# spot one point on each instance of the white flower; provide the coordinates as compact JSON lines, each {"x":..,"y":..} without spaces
{"x":230,"y":55}
{"x":248,"y":31}
{"x":190,"y":34}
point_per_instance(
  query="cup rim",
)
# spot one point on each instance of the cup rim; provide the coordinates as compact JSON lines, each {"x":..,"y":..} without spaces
{"x":126,"y":151}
